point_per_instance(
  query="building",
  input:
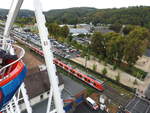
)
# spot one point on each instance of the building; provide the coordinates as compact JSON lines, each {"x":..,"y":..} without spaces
{"x":72,"y":92}
{"x":138,"y":105}
{"x":88,"y":27}
{"x":77,"y":31}
{"x":102,"y":29}
{"x":147,"y":93}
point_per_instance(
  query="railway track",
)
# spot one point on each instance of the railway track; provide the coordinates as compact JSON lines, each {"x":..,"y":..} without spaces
{"x":111,"y":93}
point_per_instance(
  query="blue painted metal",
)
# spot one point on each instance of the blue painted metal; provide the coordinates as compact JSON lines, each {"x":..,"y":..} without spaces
{"x":79,"y":99}
{"x":68,"y":107}
{"x":10,"y":88}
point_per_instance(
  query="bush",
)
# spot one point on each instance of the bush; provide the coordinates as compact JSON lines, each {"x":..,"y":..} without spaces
{"x":104,"y":71}
{"x":94,"y":67}
{"x":114,"y":67}
{"x":118,"y":77}
{"x":135,"y":82}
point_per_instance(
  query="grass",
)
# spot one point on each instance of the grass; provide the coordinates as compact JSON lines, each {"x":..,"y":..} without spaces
{"x":132,"y":70}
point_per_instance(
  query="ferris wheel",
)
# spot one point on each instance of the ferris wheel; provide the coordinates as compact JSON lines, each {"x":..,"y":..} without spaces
{"x":13,"y":70}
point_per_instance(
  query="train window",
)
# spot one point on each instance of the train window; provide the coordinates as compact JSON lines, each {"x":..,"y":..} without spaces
{"x":89,"y":81}
{"x":72,"y":71}
{"x":60,"y":64}
{"x":41,"y":96}
{"x":94,"y":84}
{"x":79,"y":75}
{"x":55,"y":61}
{"x":85,"y":79}
{"x":66,"y":67}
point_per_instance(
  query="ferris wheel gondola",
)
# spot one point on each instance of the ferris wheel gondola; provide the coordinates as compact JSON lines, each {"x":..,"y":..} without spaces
{"x":12,"y":73}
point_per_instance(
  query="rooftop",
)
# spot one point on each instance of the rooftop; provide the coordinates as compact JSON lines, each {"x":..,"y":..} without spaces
{"x":138,"y":105}
{"x":147,"y":92}
{"x":72,"y":87}
{"x":39,"y":81}
{"x":78,"y":31}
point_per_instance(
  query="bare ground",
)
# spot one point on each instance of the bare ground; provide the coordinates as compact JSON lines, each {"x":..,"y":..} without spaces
{"x":32,"y":61}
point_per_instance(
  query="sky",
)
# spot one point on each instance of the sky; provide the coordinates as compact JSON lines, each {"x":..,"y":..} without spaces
{"x":60,"y":4}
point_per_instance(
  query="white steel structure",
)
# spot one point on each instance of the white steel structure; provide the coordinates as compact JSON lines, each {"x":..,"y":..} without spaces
{"x":13,"y":106}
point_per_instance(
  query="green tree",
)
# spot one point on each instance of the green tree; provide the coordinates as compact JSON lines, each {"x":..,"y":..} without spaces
{"x":116,"y":27}
{"x":98,"y":44}
{"x":115,"y":48}
{"x":104,"y":71}
{"x":134,"y":49}
{"x":94,"y":67}
{"x":64,"y":31}
{"x":54,"y":29}
{"x":127,"y":29}
{"x":70,"y":37}
{"x":140,"y":33}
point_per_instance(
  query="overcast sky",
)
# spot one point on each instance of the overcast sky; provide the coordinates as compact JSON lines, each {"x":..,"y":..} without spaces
{"x":59,"y":4}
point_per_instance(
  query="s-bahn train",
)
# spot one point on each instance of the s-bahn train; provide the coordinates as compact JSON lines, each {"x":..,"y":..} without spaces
{"x":95,"y":83}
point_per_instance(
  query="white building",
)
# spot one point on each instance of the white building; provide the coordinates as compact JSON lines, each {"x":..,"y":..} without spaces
{"x":77,"y":31}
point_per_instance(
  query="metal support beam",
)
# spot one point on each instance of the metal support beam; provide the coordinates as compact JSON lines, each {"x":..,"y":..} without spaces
{"x":49,"y":100}
{"x":17,"y":110}
{"x":40,"y":18}
{"x":26,"y":98}
{"x":15,"y":7}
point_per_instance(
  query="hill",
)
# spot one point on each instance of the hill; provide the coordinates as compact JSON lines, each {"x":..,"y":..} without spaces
{"x":132,"y":15}
{"x":22,"y":13}
{"x":70,"y":15}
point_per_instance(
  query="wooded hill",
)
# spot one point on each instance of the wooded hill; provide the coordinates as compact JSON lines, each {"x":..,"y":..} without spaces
{"x":132,"y":15}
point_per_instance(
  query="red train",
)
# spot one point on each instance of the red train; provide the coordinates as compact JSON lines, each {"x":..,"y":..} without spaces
{"x":87,"y":79}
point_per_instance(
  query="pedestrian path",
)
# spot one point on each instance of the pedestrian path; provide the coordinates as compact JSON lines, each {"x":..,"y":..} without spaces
{"x":125,"y":78}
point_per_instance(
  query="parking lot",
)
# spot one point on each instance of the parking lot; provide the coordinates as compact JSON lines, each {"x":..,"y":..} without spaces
{"x":58,"y":48}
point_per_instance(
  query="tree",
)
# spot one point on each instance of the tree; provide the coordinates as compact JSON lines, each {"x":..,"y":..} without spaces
{"x":134,"y":49}
{"x":104,"y":71}
{"x":127,"y":29}
{"x":140,"y":33}
{"x":137,"y":43}
{"x":98,"y":45}
{"x":81,"y":35}
{"x":64,"y":31}
{"x":116,"y":27}
{"x":70,"y":37}
{"x":54,"y":29}
{"x":115,"y":48}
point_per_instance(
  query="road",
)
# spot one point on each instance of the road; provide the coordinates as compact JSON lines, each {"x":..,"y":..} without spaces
{"x":83,"y":108}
